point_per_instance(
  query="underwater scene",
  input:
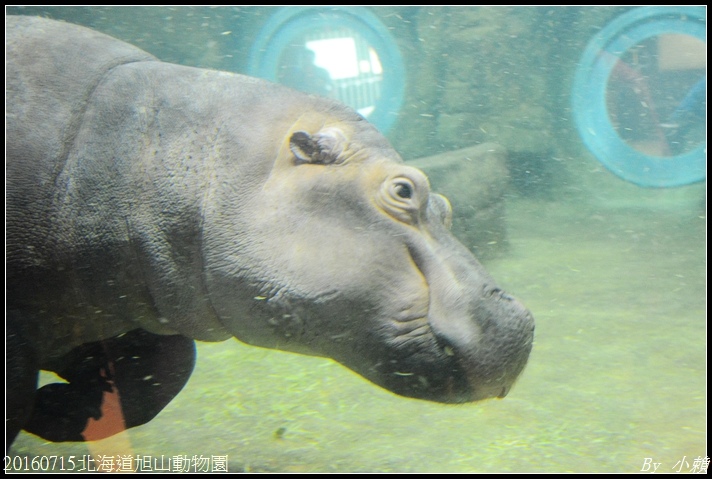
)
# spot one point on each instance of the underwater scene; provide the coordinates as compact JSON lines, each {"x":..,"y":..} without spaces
{"x":570,"y":143}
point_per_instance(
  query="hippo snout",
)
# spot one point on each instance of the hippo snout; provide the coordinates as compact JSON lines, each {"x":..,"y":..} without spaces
{"x":478,"y":337}
{"x":475,"y":354}
{"x":495,"y":350}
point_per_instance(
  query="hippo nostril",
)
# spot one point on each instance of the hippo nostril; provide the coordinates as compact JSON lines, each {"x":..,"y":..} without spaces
{"x":505,"y":391}
{"x":494,"y":291}
{"x":497,"y":292}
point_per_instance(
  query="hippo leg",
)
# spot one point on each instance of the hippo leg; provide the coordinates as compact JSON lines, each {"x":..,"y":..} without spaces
{"x":112,"y":385}
{"x":21,"y":373}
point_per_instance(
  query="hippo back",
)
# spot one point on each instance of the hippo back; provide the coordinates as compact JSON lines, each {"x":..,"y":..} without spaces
{"x":51,"y":94}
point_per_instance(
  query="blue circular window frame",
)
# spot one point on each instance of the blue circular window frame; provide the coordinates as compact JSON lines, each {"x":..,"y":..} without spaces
{"x":290,"y":23}
{"x":589,"y":97}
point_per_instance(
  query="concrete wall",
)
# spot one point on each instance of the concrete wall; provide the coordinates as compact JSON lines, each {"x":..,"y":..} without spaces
{"x":473,"y":75}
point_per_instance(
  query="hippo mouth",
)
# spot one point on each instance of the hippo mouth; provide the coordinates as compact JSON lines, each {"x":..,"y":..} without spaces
{"x":435,"y":367}
{"x":472,"y":342}
{"x":487,"y":364}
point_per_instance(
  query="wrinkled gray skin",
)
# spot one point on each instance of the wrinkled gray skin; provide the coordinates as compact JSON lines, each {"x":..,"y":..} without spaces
{"x":207,"y":204}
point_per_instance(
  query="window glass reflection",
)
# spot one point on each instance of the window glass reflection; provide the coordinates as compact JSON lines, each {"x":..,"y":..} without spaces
{"x":656,"y":95}
{"x":336,"y":63}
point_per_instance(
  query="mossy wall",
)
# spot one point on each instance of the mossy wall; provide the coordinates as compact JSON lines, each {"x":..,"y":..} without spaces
{"x":495,"y":74}
{"x":473,"y":74}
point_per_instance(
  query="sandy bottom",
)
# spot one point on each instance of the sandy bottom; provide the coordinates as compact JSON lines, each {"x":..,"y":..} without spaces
{"x":617,"y":374}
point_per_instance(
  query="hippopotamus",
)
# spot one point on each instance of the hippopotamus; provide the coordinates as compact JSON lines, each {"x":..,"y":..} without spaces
{"x":150,"y":205}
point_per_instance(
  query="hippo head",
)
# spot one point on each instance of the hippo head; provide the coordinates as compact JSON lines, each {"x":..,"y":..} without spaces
{"x":342,"y":251}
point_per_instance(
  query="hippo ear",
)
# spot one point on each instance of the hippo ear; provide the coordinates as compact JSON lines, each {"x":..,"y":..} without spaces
{"x":325,"y":147}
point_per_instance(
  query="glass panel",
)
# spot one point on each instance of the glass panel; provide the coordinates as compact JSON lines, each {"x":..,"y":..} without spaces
{"x":656,"y":95}
{"x":338,"y":63}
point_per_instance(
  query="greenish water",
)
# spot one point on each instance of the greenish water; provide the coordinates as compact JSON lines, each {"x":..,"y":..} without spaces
{"x":615,"y":276}
{"x":617,"y":374}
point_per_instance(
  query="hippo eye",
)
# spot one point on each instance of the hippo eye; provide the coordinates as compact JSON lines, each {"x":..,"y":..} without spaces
{"x":403,"y":189}
{"x":440,"y":206}
{"x":404,"y":196}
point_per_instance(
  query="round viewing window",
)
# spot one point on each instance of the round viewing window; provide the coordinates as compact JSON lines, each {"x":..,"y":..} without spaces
{"x":345,"y":53}
{"x":639,"y":96}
